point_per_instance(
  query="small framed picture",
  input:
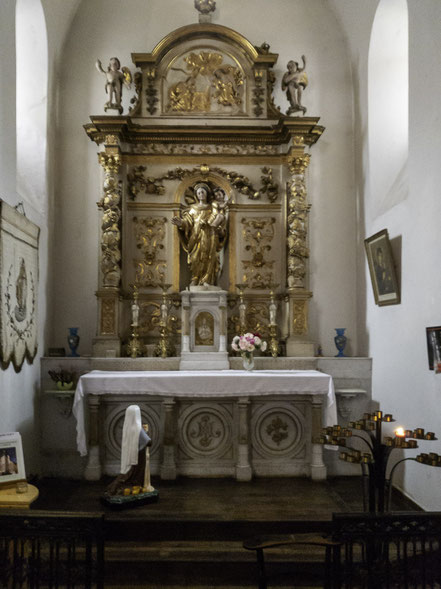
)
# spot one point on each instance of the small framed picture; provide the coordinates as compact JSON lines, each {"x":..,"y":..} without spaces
{"x":12,"y":468}
{"x":433,"y":336}
{"x":382,"y":269}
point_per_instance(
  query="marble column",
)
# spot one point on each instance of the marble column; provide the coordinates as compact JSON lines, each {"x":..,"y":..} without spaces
{"x":243,"y":467}
{"x":93,"y":467}
{"x":168,"y":465}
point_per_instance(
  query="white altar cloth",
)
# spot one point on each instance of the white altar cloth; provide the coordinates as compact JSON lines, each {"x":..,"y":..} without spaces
{"x":203,"y":384}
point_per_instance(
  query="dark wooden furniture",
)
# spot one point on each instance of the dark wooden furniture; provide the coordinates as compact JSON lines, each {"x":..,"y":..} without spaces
{"x":51,"y":549}
{"x":371,"y":551}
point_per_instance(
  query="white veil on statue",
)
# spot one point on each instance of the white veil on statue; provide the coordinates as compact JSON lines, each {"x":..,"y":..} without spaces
{"x":130,"y":438}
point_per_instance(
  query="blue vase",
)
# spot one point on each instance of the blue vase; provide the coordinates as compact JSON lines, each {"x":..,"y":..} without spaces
{"x":340,"y":341}
{"x":73,"y":339}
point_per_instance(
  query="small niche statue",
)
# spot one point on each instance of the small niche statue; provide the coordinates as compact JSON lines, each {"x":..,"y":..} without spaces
{"x":132,"y":485}
{"x":116,"y":77}
{"x":294,"y":82}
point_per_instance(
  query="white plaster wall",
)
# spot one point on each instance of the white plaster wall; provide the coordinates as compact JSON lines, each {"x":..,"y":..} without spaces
{"x":395,"y":335}
{"x":103,"y":28}
{"x":18,"y":391}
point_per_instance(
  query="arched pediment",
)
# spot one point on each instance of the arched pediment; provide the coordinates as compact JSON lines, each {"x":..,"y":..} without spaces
{"x":208,"y":71}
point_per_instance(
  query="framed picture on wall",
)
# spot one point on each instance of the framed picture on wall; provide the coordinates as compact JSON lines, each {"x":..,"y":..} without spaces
{"x":382,"y":269}
{"x":12,"y":468}
{"x":433,"y":336}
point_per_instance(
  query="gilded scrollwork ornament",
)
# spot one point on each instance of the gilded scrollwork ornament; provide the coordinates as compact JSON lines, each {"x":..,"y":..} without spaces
{"x":269,"y":187}
{"x":136,"y":100}
{"x":258,"y":93}
{"x":300,"y":318}
{"x":108,"y":316}
{"x":111,"y":221}
{"x":297,"y":221}
{"x":151,"y":92}
{"x":139,"y":182}
{"x":258,"y":234}
{"x":257,"y":318}
{"x":270,"y":82}
{"x":185,"y":149}
{"x":149,"y":235}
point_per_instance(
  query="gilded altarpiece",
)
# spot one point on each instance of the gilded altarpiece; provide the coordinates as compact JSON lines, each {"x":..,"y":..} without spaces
{"x":203,"y":112}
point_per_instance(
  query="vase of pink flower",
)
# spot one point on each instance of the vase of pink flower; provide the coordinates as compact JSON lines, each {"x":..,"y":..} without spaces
{"x":246,"y":344}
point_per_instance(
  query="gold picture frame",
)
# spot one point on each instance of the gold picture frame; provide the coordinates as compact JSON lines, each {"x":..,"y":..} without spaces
{"x":382,"y":269}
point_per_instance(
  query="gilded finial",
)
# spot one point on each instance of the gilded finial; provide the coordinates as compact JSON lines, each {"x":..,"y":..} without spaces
{"x":205,"y":7}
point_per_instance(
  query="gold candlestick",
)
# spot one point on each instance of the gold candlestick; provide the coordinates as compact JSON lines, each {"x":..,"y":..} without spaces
{"x":274,"y":342}
{"x":134,"y":348}
{"x":165,"y":347}
{"x":242,"y":308}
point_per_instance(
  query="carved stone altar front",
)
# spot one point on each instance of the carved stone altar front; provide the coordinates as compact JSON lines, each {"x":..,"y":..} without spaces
{"x":203,"y":112}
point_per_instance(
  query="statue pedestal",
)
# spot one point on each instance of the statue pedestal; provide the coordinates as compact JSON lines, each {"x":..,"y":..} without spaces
{"x":204,"y":329}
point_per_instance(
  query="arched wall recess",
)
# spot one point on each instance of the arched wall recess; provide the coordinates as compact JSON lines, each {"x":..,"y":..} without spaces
{"x":388,"y":104}
{"x":32,"y":82}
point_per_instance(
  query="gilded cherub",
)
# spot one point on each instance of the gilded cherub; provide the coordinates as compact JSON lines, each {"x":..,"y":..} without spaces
{"x":116,"y":77}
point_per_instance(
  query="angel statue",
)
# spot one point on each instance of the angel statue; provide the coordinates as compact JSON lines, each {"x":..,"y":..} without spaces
{"x":294,"y":82}
{"x":116,"y":77}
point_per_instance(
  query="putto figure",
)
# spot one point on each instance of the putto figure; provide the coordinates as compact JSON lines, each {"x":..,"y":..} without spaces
{"x":116,"y":77}
{"x":294,"y":82}
{"x":203,"y":233}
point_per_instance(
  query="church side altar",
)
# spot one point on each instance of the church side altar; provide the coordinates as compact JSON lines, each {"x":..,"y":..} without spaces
{"x":209,"y":423}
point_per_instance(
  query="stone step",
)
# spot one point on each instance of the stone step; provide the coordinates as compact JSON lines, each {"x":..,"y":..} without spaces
{"x":213,"y":551}
{"x":208,"y":564}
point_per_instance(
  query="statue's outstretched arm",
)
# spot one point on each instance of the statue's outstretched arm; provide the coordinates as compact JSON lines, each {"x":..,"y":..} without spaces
{"x":99,"y":67}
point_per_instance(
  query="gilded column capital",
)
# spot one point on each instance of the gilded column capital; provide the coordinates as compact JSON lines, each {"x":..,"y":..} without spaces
{"x":111,"y":162}
{"x":298,"y":163}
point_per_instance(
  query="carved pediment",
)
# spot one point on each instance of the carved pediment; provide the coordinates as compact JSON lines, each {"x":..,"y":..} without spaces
{"x":204,"y":71}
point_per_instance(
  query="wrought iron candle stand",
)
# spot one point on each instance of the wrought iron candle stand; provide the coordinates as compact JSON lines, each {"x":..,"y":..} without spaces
{"x":165,"y":347}
{"x":377,"y":487}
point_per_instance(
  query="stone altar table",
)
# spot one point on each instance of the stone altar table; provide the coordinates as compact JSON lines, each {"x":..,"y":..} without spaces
{"x":210,"y":423}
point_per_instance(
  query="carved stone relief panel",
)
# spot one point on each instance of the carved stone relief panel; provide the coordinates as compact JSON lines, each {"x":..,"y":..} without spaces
{"x":206,"y":431}
{"x":278,"y":430}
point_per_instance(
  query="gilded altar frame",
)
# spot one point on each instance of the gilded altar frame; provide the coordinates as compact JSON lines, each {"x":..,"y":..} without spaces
{"x":203,"y":110}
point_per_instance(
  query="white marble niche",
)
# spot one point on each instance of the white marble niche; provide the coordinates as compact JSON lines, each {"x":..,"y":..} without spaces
{"x":204,"y":329}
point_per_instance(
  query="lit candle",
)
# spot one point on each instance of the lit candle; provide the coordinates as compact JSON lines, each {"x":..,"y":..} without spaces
{"x":430,"y":436}
{"x":400,"y":433}
{"x":387,"y":417}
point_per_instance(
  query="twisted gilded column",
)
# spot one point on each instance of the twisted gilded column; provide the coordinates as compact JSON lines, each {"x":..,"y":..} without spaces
{"x":298,"y":294}
{"x":107,"y":343}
